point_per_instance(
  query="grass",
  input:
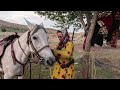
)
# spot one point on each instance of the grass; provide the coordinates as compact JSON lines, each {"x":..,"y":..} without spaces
{"x":104,"y":73}
{"x":107,"y":55}
{"x":101,"y":73}
{"x":37,"y":72}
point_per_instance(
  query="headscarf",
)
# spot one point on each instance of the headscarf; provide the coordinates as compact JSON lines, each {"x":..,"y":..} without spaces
{"x":66,"y":35}
{"x":65,"y":39}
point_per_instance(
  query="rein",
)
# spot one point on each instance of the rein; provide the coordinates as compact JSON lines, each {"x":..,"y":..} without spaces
{"x":35,"y":51}
{"x":29,"y":42}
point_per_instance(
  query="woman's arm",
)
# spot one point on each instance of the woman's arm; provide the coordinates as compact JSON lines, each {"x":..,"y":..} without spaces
{"x":66,"y":53}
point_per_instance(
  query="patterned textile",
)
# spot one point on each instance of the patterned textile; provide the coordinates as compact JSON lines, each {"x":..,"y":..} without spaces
{"x":65,"y":40}
{"x":64,"y":56}
{"x":114,"y":30}
{"x":105,"y":24}
{"x":103,"y":31}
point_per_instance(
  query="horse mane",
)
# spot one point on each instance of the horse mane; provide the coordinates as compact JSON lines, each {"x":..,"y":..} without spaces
{"x":11,"y":37}
{"x":6,"y":41}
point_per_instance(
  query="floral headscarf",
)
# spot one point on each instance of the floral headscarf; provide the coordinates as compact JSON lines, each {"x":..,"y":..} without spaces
{"x":66,"y":35}
{"x":65,"y":40}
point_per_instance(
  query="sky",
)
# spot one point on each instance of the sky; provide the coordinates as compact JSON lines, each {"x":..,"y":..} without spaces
{"x":18,"y":17}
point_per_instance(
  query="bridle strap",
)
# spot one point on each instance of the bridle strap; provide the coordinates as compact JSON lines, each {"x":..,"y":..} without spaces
{"x":15,"y":59}
{"x":43,"y":48}
{"x":23,"y":50}
{"x":29,"y":42}
{"x":34,"y":48}
{"x":35,"y":51}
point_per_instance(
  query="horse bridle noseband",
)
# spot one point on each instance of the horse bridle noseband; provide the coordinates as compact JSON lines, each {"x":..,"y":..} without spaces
{"x":29,"y":42}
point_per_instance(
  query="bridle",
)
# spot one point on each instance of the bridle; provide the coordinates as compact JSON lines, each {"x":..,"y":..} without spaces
{"x":29,"y":42}
{"x":35,"y":52}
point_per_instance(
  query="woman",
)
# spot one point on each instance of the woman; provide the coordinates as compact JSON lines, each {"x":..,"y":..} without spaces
{"x":64,"y":66}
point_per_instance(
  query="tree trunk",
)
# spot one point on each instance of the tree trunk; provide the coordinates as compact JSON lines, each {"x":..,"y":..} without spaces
{"x":86,"y":65}
{"x":88,"y":18}
{"x":82,"y":21}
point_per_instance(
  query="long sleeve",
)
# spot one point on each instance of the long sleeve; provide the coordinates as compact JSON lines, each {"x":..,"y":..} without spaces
{"x":65,"y":53}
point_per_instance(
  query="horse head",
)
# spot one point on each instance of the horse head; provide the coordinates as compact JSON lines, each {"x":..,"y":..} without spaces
{"x":38,"y":44}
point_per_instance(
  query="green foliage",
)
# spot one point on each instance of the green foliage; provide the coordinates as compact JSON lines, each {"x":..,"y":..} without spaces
{"x":3,"y":30}
{"x":65,"y":18}
{"x":68,"y":18}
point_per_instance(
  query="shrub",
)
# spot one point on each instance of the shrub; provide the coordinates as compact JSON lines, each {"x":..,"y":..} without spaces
{"x":3,"y":30}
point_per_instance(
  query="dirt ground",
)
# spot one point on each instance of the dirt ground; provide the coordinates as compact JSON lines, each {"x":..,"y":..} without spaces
{"x":104,"y":56}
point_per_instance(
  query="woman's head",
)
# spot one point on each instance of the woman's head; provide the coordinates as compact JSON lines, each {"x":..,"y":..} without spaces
{"x":60,"y":35}
{"x":63,"y":35}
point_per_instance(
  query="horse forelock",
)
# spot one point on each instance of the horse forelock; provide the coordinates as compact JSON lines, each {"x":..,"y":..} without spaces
{"x":21,"y":56}
{"x":36,"y":28}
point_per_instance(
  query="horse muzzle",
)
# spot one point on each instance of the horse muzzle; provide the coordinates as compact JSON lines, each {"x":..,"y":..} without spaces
{"x":50,"y":62}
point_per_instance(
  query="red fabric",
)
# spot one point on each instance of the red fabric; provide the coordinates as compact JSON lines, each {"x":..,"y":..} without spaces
{"x":107,"y":21}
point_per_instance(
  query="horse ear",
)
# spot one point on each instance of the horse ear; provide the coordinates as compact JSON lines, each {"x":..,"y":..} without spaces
{"x":30,"y":25}
{"x":42,"y":25}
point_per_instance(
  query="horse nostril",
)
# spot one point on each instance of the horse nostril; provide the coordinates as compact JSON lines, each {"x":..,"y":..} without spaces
{"x":50,"y":62}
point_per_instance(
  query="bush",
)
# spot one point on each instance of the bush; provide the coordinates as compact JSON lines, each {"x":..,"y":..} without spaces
{"x":3,"y":30}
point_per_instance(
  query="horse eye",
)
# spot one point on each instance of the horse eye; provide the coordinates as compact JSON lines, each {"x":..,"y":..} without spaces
{"x":34,"y":38}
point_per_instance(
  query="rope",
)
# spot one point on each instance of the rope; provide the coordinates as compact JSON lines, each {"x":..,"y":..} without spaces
{"x":40,"y":71}
{"x":91,"y":63}
{"x":93,"y":68}
{"x":32,"y":57}
{"x":50,"y":72}
{"x":31,"y":65}
{"x":30,"y":70}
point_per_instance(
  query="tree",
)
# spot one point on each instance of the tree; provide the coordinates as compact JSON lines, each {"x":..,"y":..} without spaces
{"x":77,"y":19}
{"x":66,"y":18}
{"x":3,"y":29}
{"x":87,"y":72}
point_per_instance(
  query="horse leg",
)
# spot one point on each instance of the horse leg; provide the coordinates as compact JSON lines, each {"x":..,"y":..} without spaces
{"x":21,"y":77}
{"x":7,"y":76}
{"x":1,"y":73}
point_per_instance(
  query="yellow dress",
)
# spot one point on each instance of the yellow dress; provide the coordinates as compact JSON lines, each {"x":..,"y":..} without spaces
{"x":64,"y":55}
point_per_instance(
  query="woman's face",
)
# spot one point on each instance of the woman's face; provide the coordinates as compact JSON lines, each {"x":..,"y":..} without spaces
{"x":60,"y":36}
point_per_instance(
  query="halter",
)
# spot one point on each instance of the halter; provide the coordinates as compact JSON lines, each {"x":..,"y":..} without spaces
{"x":29,"y":42}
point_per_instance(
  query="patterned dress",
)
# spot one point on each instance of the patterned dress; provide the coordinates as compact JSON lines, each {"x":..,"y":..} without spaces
{"x":64,"y":56}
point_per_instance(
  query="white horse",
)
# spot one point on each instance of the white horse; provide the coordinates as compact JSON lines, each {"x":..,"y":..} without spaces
{"x":35,"y":40}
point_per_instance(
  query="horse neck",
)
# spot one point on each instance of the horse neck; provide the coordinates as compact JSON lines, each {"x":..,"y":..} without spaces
{"x":21,"y":57}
